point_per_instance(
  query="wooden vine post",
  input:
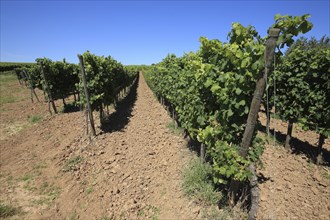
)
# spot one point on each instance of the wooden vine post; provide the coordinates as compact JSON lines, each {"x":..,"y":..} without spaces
{"x":89,"y":109}
{"x":288,"y":135}
{"x":31,"y":86}
{"x":253,"y":116}
{"x":50,"y":99}
{"x":319,"y":158}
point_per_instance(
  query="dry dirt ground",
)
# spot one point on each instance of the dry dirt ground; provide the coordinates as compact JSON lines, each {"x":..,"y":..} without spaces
{"x":133,"y":168}
{"x":291,"y":185}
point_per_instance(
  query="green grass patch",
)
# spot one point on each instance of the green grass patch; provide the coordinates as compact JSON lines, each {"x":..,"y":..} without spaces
{"x":326,"y":175}
{"x":48,"y":194}
{"x":140,"y":212}
{"x":8,"y":210}
{"x":8,"y":77}
{"x":27,"y":177}
{"x":10,"y":93}
{"x":172,"y":126}
{"x":149,"y":210}
{"x":34,"y":118}
{"x":275,"y":116}
{"x":6,"y":181}
{"x":40,"y":166}
{"x":73,"y":216}
{"x":8,"y":99}
{"x":216,"y":214}
{"x":198,"y":183}
{"x":29,"y":187}
{"x":271,"y":139}
{"x":89,"y":190}
{"x":72,"y":163}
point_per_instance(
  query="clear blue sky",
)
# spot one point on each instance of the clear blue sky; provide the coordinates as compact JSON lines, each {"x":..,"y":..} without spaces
{"x":136,"y":32}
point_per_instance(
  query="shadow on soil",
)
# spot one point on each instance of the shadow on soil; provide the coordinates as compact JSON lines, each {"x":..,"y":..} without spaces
{"x":72,"y":107}
{"x":120,"y":118}
{"x":301,"y":147}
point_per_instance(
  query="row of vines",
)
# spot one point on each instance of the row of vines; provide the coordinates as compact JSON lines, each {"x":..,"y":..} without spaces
{"x":210,"y":91}
{"x":302,"y":80}
{"x":105,"y":79}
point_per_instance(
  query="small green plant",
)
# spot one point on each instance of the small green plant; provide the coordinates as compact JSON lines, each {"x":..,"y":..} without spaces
{"x":44,"y":187}
{"x":270,"y":139}
{"x":89,"y":190}
{"x":198,"y":183}
{"x":27,"y":177}
{"x":311,"y":166}
{"x":216,"y":214}
{"x":40,"y":166}
{"x":10,"y":77}
{"x":8,"y":210}
{"x":141,"y":212}
{"x":34,"y":118}
{"x":172,"y":126}
{"x":72,"y":163}
{"x":226,"y":212}
{"x":155,"y":211}
{"x":48,"y":194}
{"x":326,"y":175}
{"x":149,"y":210}
{"x":10,"y":179}
{"x":29,"y":187}
{"x":7,"y":99}
{"x":73,"y":216}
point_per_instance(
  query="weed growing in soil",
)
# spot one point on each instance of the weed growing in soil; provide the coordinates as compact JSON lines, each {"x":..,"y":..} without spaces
{"x":150,"y":212}
{"x":49,"y":194}
{"x":27,"y":177}
{"x":8,"y":210}
{"x":9,"y":93}
{"x":73,"y":216}
{"x":198,"y":183}
{"x":10,"y":179}
{"x":230,"y":213}
{"x":270,"y":140}
{"x":174,"y":128}
{"x":326,"y":175}
{"x":7,"y":77}
{"x":7,"y":99}
{"x":34,"y":118}
{"x":15,"y":127}
{"x":71,"y":163}
{"x":216,"y":214}
{"x":89,"y":190}
{"x":40,"y":166}
{"x":141,"y":212}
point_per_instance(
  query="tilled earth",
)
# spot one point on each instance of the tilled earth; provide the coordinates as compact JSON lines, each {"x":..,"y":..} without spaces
{"x":132,"y":169}
{"x":292,"y":186}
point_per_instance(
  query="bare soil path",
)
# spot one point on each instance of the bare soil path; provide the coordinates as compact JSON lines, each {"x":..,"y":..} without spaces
{"x":131,"y":170}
